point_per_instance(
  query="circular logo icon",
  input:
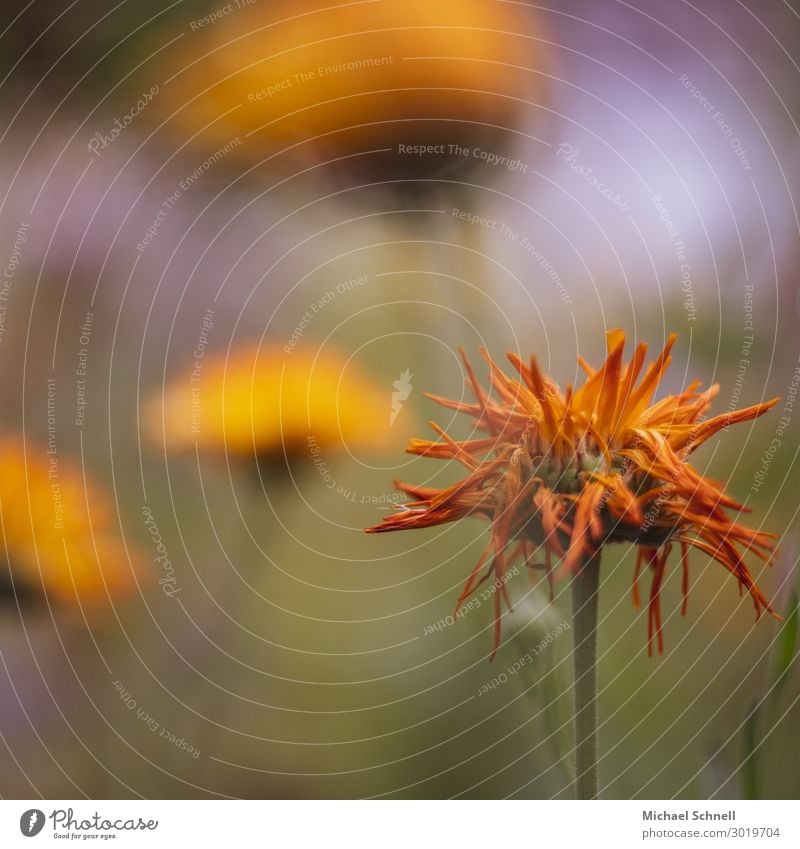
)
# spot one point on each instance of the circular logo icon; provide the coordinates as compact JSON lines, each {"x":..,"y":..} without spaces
{"x":31,"y":822}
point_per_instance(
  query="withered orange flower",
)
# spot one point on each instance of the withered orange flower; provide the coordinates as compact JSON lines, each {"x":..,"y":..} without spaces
{"x":567,"y":472}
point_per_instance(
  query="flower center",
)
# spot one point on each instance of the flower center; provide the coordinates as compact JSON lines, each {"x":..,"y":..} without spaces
{"x":562,"y":475}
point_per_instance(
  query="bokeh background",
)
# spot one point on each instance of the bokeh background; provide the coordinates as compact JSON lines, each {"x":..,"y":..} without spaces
{"x":214,"y":186}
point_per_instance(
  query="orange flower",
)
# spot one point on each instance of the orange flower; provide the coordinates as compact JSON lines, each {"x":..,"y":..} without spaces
{"x":362,"y":82}
{"x":259,"y":400}
{"x":566,"y":472}
{"x":59,"y":536}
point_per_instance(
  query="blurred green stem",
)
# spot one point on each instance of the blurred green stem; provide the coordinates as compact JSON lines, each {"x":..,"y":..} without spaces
{"x":585,"y":586}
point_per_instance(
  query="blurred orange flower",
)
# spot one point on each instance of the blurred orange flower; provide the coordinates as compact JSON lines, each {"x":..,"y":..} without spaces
{"x":570,"y":471}
{"x":59,"y":533}
{"x":263,"y":401}
{"x":354,"y":76}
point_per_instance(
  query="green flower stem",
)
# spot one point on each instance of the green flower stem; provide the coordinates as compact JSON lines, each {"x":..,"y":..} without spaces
{"x":585,"y":586}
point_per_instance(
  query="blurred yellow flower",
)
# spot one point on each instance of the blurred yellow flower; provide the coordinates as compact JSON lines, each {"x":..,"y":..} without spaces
{"x":266,"y":402}
{"x":58,"y":533}
{"x":356,"y":76}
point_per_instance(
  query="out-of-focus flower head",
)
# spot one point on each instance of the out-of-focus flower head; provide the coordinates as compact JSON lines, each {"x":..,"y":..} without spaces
{"x":563,"y":473}
{"x":58,"y":531}
{"x":262,"y":401}
{"x":348,"y":78}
